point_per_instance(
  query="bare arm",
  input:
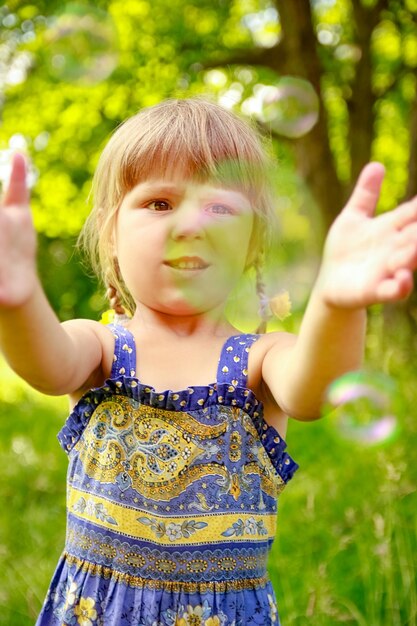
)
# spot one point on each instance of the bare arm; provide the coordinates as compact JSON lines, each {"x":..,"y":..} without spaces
{"x":330,"y":343}
{"x":53,"y":358}
{"x":366,"y":260}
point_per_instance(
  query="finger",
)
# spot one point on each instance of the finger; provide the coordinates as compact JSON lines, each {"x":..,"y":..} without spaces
{"x":401,"y":238}
{"x":17,"y":190}
{"x":365,"y":195}
{"x":405,"y":214}
{"x":406,"y":257}
{"x":407,"y":235}
{"x":396,"y":288}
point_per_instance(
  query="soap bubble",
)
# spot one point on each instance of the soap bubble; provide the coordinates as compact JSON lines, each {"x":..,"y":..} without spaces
{"x":361,"y":406}
{"x":290,"y":108}
{"x":81,"y":45}
{"x":6,"y":168}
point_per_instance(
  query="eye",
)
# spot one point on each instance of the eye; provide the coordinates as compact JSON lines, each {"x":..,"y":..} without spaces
{"x":159,"y":205}
{"x":221,"y":209}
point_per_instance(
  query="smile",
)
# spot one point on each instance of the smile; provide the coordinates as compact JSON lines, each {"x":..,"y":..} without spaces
{"x":187,"y":263}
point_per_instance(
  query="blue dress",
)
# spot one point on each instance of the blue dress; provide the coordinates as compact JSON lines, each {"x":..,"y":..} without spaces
{"x":171,"y":502}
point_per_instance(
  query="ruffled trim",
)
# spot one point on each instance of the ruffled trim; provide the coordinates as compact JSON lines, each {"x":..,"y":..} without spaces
{"x":275,"y":447}
{"x":187,"y":400}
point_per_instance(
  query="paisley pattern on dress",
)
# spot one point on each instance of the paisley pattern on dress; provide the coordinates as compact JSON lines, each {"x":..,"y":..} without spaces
{"x":171,"y":500}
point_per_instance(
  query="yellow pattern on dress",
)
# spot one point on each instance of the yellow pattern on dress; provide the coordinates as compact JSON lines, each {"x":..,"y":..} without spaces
{"x":151,"y":445}
{"x":131,"y":521}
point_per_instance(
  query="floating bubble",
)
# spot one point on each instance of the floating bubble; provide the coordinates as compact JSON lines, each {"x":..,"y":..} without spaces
{"x":361,"y":406}
{"x":6,"y":168}
{"x":290,"y":108}
{"x":81,"y":45}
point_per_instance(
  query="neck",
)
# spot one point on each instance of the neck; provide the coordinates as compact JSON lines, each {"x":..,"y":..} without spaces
{"x":212,"y":323}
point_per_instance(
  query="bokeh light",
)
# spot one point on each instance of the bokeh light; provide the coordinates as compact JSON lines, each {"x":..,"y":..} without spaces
{"x":361,"y":406}
{"x":290,"y":108}
{"x":81,"y":45}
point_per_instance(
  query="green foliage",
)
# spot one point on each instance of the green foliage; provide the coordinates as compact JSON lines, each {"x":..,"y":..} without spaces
{"x":65,"y":277}
{"x":31,"y":486}
{"x":84,"y":68}
{"x":347,"y":533}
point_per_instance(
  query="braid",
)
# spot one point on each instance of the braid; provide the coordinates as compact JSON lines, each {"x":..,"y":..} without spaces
{"x":278,"y":306}
{"x":114,"y":299}
{"x":113,"y":295}
{"x":264,"y":309}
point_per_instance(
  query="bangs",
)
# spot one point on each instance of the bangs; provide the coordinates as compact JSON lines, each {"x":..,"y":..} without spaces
{"x":191,"y":140}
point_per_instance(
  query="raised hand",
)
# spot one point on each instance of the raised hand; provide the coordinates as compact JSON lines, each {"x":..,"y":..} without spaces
{"x":369,"y":259}
{"x":17,"y":240}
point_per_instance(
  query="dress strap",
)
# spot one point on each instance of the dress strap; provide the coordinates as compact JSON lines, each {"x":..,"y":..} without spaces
{"x":233,"y":362}
{"x":124,"y":357}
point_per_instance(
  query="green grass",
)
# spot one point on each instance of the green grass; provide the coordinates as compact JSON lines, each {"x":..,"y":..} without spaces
{"x":32,"y":491}
{"x":347,"y":542}
{"x":346,"y":549}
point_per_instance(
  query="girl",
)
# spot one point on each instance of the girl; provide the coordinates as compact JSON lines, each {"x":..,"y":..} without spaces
{"x":175,"y":447}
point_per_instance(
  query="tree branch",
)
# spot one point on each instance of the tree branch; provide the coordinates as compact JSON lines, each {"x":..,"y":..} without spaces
{"x":273,"y":58}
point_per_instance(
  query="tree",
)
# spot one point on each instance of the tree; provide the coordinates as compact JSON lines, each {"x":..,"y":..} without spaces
{"x":360,"y":56}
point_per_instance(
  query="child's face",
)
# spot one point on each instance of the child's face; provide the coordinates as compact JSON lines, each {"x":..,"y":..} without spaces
{"x":181,"y":245}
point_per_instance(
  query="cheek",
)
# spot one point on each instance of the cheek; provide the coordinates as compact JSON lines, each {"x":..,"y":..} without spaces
{"x":234,"y":241}
{"x":135,"y":237}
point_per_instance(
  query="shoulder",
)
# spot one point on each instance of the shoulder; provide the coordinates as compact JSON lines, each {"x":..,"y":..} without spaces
{"x":270,"y":343}
{"x":90,"y":330}
{"x":274,"y":349}
{"x":276,"y":342}
{"x":268,"y":348}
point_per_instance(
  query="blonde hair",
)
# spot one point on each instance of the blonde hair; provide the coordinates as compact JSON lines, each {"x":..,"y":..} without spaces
{"x":193,"y":137}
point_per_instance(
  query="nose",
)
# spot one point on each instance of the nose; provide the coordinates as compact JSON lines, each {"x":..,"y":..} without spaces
{"x":189,"y":221}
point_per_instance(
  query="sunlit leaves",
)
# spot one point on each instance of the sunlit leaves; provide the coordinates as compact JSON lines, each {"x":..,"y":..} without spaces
{"x":336,"y":106}
{"x":386,"y":45}
{"x":65,"y":118}
{"x":264,"y":27}
{"x":60,"y":208}
{"x":201,"y":21}
{"x":391,"y":146}
{"x":410,"y":50}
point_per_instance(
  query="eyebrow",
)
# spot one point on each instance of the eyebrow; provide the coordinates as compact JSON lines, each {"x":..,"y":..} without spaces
{"x":157,"y":187}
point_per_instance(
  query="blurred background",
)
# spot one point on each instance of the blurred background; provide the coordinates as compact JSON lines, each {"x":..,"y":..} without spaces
{"x":332,"y":84}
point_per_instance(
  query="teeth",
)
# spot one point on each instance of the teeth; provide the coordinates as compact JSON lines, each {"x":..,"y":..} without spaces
{"x":187,"y":265}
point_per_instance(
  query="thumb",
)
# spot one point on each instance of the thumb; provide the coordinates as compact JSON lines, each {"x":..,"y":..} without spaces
{"x":17,"y":190}
{"x":365,"y":194}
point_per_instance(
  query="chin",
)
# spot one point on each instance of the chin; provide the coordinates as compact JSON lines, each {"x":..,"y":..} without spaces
{"x":183,"y":309}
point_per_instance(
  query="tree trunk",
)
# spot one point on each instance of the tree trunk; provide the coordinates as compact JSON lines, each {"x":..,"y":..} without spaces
{"x":314,"y":157}
{"x":361,"y":104}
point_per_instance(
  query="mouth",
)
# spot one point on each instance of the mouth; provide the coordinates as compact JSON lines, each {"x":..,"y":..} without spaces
{"x":190,"y":263}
